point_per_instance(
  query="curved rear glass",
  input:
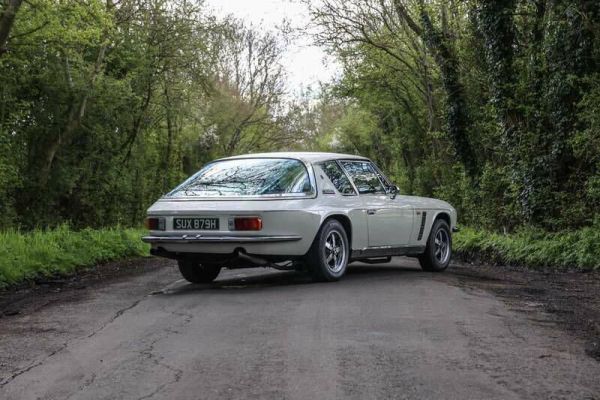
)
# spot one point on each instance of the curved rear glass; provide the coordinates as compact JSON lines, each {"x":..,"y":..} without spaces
{"x":248,"y":177}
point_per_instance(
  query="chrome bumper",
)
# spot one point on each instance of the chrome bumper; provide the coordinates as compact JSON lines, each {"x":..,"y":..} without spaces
{"x":218,"y":239}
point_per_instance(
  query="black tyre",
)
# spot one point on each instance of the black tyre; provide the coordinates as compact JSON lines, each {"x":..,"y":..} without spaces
{"x":195,"y":272}
{"x":328,"y":256}
{"x":438,"y":250}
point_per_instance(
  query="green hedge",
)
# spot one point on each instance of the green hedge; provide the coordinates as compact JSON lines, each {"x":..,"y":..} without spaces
{"x":532,"y":248}
{"x":41,"y":253}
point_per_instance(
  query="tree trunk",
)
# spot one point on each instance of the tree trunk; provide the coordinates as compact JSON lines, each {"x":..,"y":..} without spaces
{"x":170,"y":127}
{"x":137,"y":122}
{"x":458,"y":118}
{"x":77,"y":111}
{"x":7,"y":19}
{"x":497,"y":25}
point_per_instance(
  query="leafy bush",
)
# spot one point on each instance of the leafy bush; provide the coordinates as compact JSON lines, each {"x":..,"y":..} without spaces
{"x":532,"y":247}
{"x":61,"y":251}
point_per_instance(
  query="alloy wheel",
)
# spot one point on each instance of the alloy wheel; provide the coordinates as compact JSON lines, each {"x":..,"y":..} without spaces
{"x":442,"y":246}
{"x":335,"y":252}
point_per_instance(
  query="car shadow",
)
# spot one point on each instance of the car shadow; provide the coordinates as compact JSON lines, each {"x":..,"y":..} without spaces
{"x":269,"y":278}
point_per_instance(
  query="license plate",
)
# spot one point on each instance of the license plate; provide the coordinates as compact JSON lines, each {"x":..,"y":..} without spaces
{"x":196,"y":224}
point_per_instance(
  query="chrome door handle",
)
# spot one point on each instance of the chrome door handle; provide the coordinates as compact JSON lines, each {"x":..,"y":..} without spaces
{"x":371,"y":212}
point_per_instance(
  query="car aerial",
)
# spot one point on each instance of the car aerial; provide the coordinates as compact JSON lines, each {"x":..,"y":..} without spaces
{"x":306,"y":211}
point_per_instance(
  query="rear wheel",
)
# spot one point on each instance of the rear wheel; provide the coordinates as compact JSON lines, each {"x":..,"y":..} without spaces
{"x":328,"y":256}
{"x":195,"y":272}
{"x":438,"y":250}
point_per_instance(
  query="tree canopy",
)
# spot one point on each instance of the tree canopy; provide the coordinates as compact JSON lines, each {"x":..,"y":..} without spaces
{"x":105,"y":105}
{"x":488,"y":104}
{"x":491,"y":105}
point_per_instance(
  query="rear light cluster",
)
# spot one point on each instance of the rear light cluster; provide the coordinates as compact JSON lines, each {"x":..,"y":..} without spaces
{"x":155,"y":224}
{"x":245,"y":224}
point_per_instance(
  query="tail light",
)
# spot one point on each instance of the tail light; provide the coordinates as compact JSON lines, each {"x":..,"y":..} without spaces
{"x":154,"y":224}
{"x":247,"y":224}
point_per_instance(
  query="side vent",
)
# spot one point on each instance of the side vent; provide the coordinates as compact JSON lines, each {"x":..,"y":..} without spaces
{"x":423,"y":219}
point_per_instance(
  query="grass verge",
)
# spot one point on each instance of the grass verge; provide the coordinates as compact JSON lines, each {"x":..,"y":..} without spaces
{"x":60,"y":251}
{"x":529,"y":247}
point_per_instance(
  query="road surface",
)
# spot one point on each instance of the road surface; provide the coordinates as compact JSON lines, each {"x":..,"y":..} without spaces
{"x":383,"y":332}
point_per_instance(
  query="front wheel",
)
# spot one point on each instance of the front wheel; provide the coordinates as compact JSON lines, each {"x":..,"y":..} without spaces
{"x":328,"y":256}
{"x":195,"y":272}
{"x":438,"y":250}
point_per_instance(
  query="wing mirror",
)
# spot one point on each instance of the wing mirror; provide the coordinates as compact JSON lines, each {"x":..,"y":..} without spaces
{"x":394,"y":190}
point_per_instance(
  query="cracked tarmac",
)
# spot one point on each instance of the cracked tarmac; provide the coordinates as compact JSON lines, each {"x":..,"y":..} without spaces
{"x":388,"y":331}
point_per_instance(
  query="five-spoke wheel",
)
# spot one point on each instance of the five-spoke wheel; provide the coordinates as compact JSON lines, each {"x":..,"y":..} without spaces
{"x":442,"y":246}
{"x":335,"y":251}
{"x":438,"y":250}
{"x":328,"y":256}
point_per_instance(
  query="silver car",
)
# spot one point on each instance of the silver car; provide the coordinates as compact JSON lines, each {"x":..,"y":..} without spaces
{"x":311,"y":211}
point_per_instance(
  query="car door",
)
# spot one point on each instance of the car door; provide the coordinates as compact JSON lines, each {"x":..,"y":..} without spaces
{"x":389,"y":218}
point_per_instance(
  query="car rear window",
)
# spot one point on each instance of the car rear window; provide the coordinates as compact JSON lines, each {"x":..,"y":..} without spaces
{"x":248,"y":177}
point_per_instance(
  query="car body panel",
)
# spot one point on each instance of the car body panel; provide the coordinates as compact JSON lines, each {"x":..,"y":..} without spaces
{"x":390,"y":221}
{"x":381,"y":223}
{"x":279,"y":217}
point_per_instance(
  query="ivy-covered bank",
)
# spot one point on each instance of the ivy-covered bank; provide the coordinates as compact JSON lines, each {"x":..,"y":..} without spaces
{"x":579,"y":249}
{"x":61,"y":251}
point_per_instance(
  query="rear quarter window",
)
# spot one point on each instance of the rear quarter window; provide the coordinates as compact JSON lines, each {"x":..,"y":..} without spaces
{"x":338,"y":177}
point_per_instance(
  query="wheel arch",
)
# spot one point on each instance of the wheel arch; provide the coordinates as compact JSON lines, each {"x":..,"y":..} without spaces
{"x":346,"y":223}
{"x":439,"y":214}
{"x":427,"y":259}
{"x":445,"y":216}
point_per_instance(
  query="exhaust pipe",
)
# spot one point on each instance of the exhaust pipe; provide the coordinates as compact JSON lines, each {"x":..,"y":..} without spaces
{"x":261,"y":262}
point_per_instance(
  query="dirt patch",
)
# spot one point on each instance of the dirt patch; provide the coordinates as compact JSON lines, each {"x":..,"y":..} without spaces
{"x":569,"y":298}
{"x":33,"y":296}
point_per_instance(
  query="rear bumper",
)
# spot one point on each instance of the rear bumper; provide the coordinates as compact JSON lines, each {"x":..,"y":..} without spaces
{"x":456,"y":229}
{"x":180,"y":239}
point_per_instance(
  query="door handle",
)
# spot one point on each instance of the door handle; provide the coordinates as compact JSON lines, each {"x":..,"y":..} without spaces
{"x":371,"y":212}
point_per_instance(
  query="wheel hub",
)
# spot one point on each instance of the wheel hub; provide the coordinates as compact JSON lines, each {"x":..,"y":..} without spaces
{"x":335,"y":254}
{"x":442,"y":246}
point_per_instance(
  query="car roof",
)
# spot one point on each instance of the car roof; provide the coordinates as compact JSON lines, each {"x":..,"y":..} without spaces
{"x":306,"y":156}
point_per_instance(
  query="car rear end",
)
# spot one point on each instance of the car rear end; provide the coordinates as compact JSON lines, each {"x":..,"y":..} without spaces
{"x":242,"y":207}
{"x":285,"y":227}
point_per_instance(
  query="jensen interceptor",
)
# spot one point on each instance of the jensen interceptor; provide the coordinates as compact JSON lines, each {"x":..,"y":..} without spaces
{"x":310,"y":211}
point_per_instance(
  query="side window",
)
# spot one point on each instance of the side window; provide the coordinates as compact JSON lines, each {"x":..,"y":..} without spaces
{"x":338,"y":177}
{"x":364,"y":176}
{"x":386,"y":182}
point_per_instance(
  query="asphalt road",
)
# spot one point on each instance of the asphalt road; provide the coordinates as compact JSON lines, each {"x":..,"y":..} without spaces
{"x":383,"y":332}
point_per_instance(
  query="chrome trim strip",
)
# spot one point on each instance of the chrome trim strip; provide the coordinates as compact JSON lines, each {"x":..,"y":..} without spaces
{"x":385,"y":251}
{"x":218,"y":239}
